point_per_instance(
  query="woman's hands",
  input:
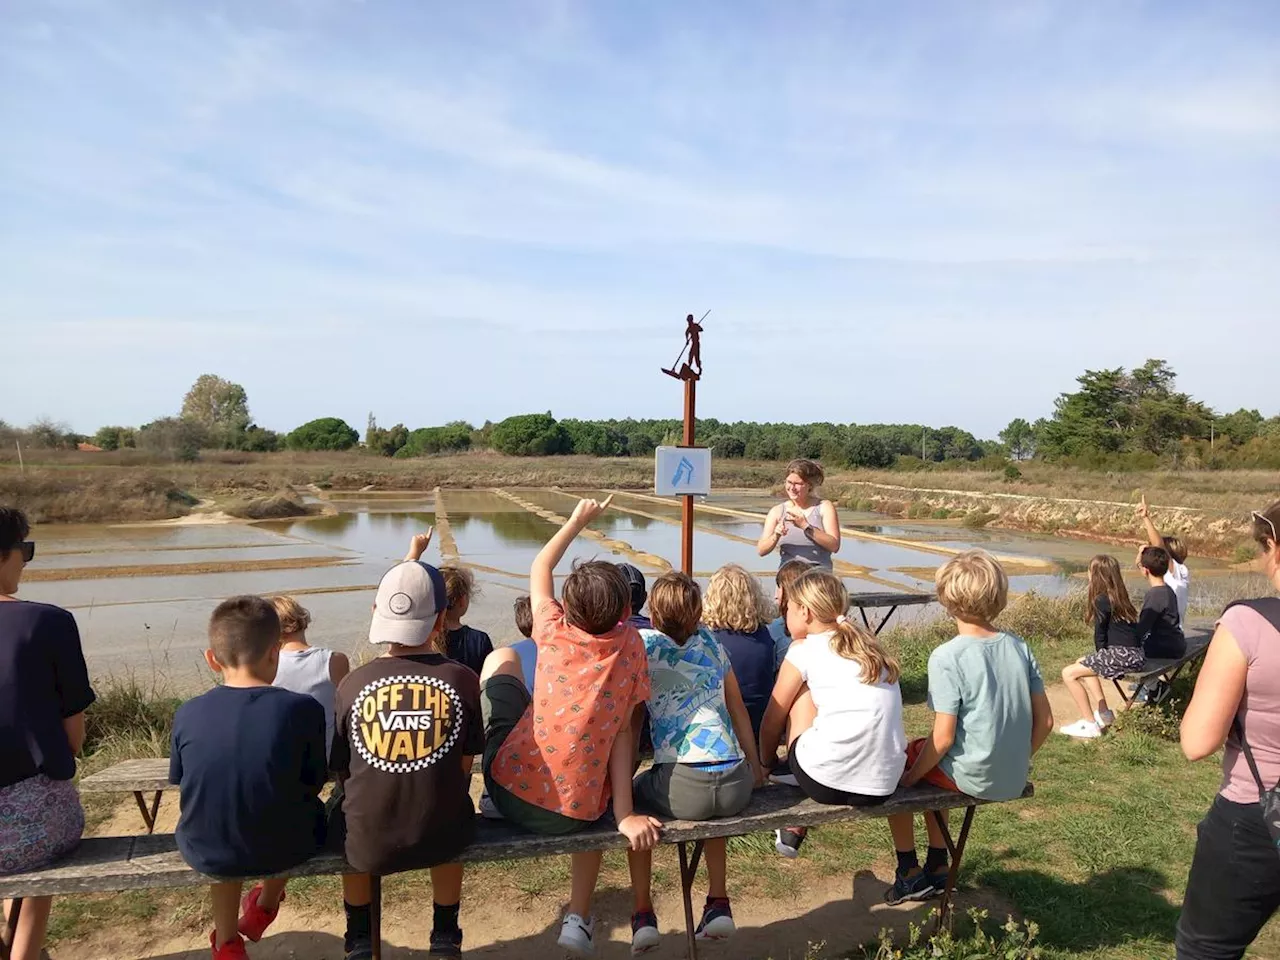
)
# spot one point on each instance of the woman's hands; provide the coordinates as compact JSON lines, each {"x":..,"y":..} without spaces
{"x":794,"y":515}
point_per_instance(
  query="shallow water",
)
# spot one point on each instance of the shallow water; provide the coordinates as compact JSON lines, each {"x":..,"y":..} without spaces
{"x":158,"y":621}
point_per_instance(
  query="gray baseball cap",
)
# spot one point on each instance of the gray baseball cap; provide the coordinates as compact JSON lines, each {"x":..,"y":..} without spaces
{"x":410,"y":599}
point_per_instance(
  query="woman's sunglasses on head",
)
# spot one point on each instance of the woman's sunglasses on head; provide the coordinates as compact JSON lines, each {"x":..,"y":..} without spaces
{"x":1267,"y":521}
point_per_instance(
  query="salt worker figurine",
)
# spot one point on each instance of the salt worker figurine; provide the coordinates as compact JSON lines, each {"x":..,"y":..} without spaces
{"x":692,"y":369}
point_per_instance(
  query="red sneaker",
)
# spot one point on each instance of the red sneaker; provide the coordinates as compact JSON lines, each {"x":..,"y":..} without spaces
{"x":254,"y":920}
{"x":233,"y":949}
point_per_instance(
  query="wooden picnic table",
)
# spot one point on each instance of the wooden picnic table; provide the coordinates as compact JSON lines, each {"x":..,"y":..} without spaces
{"x":891,"y":599}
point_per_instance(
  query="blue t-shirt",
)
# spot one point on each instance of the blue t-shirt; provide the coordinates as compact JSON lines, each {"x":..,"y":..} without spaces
{"x":688,"y":716}
{"x":527,"y":651}
{"x":781,"y":643}
{"x":249,"y":763}
{"x":987,"y":685}
{"x":43,"y":680}
{"x":752,"y":656}
{"x":469,"y":647}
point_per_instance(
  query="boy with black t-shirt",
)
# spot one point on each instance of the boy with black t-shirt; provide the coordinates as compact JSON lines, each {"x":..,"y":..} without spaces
{"x":1159,"y":622}
{"x":249,"y":760}
{"x":408,"y":729}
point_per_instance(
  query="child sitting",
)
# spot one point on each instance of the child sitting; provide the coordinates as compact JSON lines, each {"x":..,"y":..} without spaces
{"x":1117,"y":648}
{"x":551,"y":760}
{"x":464,"y":644}
{"x":315,"y":671}
{"x":1159,"y":623}
{"x":704,"y":751}
{"x":249,"y":761}
{"x":525,"y":648}
{"x":409,"y":728}
{"x":787,"y":574}
{"x":639,"y":594}
{"x":737,"y":614}
{"x":990,"y":715}
{"x":837,"y":694}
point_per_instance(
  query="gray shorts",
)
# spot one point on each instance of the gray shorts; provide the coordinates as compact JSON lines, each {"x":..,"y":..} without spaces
{"x":688,"y":792}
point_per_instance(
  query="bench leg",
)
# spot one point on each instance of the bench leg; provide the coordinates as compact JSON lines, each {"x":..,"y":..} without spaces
{"x":885,"y":620}
{"x":956,"y":849}
{"x":1126,"y":697}
{"x":148,"y":815}
{"x":688,"y":872}
{"x":375,"y":915}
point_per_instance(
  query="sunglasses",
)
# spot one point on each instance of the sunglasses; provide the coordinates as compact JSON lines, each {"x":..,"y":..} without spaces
{"x":1267,"y":520}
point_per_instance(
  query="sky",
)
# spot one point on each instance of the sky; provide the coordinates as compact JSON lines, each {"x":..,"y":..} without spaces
{"x":937,"y":212}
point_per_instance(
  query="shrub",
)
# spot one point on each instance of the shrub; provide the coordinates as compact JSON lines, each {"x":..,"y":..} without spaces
{"x":453,"y":438}
{"x":977,"y":519}
{"x":260,"y":440}
{"x":326,"y":433}
{"x":173,"y":437}
{"x":1244,"y":553}
{"x":1013,"y":941}
{"x":727,"y":446}
{"x":530,"y":435}
{"x":1012,"y":473}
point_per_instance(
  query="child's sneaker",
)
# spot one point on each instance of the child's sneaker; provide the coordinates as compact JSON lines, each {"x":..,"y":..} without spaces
{"x":254,"y":920}
{"x":782,"y":774}
{"x":717,"y":921}
{"x":1103,"y":718}
{"x":905,"y":888}
{"x":233,"y":949}
{"x":445,"y":943}
{"x":576,"y":935}
{"x":644,"y":932}
{"x":488,"y":809}
{"x":787,"y":842}
{"x":1082,"y":730}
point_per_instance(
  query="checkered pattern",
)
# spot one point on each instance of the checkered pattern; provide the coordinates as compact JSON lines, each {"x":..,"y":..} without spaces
{"x":405,"y":766}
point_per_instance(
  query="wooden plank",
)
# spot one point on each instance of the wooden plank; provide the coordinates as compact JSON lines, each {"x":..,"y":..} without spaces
{"x":107,"y":864}
{"x":1197,"y":647}
{"x":869,"y":600}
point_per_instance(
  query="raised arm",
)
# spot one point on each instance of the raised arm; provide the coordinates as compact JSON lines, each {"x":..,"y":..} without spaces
{"x":774,"y":528}
{"x":418,"y":544}
{"x":1216,"y":699}
{"x":1153,"y":535}
{"x":542,"y":585}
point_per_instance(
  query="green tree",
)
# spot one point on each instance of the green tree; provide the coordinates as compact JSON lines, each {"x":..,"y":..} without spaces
{"x":530,"y":435}
{"x":173,"y":437}
{"x":260,"y":440}
{"x":326,"y":433}
{"x":727,"y":446}
{"x":114,"y":438}
{"x":1020,"y":438}
{"x":221,"y":407}
{"x":1240,"y":427}
{"x":865,"y":449}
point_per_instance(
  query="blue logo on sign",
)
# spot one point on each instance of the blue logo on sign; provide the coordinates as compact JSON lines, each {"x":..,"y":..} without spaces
{"x":684,"y":473}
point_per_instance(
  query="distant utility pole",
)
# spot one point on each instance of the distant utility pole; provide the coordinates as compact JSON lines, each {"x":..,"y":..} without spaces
{"x":923,"y":434}
{"x":1211,"y":438}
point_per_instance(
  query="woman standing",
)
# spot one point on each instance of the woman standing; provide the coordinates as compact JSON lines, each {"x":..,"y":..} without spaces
{"x":44,"y":690}
{"x":805,"y":527}
{"x":1234,"y":886}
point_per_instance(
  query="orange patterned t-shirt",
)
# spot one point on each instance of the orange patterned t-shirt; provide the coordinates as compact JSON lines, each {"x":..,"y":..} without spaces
{"x":584,"y":689}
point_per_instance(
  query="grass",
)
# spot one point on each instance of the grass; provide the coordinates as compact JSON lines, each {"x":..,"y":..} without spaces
{"x":1098,"y":860}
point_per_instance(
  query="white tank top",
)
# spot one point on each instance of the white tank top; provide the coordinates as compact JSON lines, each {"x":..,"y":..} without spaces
{"x":307,"y":671}
{"x":794,"y":545}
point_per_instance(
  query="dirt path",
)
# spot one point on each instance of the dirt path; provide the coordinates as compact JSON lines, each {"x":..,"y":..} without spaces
{"x":836,"y":911}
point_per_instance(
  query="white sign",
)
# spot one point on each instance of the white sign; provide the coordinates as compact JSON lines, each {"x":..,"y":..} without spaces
{"x":682,"y":471}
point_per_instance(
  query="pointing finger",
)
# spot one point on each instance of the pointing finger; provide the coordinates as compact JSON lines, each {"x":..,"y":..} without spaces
{"x":604,"y":504}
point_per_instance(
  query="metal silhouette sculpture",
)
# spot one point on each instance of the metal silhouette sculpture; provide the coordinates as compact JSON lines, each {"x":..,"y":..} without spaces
{"x":691,"y":369}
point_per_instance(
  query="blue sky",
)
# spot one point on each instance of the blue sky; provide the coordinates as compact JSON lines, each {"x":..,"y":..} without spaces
{"x":937,"y":212}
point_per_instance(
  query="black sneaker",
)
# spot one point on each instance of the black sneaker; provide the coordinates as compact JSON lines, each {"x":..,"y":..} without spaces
{"x":446,"y":943}
{"x":787,"y":842}
{"x":782,"y":774}
{"x":907,"y":889}
{"x":717,"y":921}
{"x":359,"y":948}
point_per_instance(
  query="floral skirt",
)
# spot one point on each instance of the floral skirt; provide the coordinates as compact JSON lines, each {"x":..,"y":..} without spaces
{"x":40,"y":821}
{"x":1112,"y":663}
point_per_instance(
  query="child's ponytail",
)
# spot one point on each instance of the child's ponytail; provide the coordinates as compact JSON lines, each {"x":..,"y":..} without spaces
{"x":823,"y":595}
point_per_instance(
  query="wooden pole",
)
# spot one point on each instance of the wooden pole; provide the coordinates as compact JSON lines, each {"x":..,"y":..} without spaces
{"x":686,"y":520}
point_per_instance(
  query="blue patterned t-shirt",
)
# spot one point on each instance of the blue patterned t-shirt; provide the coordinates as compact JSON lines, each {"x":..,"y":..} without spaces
{"x":688,"y":717}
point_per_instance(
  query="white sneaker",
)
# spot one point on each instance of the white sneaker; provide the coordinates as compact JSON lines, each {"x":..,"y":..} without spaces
{"x":576,"y":935}
{"x":1104,"y":718}
{"x":1082,"y":730}
{"x":488,"y":809}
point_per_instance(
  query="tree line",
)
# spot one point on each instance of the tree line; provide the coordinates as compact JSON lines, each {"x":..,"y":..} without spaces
{"x":1116,"y":418}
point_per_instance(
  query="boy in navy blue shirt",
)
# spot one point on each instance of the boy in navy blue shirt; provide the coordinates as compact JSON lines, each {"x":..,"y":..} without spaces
{"x":249,"y":760}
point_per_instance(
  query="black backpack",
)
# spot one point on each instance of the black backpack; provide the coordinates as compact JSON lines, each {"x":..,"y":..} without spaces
{"x":1268,"y":800}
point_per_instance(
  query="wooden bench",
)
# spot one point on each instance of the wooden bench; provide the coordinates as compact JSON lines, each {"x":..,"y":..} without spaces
{"x":865,"y":601}
{"x":110,"y":864}
{"x":1168,"y":670}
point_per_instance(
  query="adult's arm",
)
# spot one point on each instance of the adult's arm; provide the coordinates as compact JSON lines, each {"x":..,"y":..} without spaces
{"x":773,"y":530}
{"x":542,"y":573}
{"x":1216,"y":699}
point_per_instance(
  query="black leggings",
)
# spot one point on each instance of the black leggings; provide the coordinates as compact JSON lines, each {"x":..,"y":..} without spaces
{"x":820,"y":793}
{"x":1234,"y":886}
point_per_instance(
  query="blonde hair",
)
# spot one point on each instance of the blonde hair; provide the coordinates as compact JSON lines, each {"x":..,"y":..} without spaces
{"x":294,"y":617}
{"x":1105,"y":579}
{"x":459,"y":584}
{"x":825,"y":597}
{"x":734,"y":601}
{"x":675,"y":605}
{"x":972,"y":587}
